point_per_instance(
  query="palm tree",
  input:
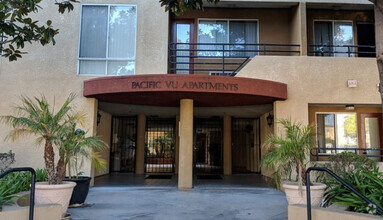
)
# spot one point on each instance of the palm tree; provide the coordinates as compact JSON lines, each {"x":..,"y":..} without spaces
{"x":75,"y":146}
{"x":290,"y":151}
{"x":35,"y":116}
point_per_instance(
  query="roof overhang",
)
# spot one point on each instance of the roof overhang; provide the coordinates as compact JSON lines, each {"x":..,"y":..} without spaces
{"x":169,"y":89}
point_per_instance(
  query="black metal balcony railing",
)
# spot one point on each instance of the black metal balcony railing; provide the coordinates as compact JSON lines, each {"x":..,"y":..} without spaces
{"x":220,"y":59}
{"x":341,"y":50}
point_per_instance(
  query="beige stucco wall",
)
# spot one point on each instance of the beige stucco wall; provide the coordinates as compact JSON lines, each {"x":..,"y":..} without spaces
{"x":104,"y":132}
{"x":316,"y":80}
{"x":52,"y":70}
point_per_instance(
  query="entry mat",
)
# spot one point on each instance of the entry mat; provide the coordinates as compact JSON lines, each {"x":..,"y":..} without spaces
{"x":209,"y":177}
{"x":167,"y":177}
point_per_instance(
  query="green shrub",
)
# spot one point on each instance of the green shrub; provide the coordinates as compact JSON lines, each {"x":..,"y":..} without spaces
{"x":341,"y":164}
{"x":368,"y":181}
{"x":14,"y":183}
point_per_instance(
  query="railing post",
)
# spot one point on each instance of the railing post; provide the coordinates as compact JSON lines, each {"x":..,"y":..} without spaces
{"x":223,"y":59}
{"x":348,"y":51}
{"x":264,"y":49}
{"x":308,"y":198}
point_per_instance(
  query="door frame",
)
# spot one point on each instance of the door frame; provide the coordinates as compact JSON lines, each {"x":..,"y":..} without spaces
{"x":363,"y":128}
{"x":192,"y":40}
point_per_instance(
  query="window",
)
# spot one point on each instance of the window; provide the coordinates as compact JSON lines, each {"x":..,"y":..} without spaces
{"x":233,"y":32}
{"x":108,"y":40}
{"x":336,"y":130}
{"x":333,"y":33}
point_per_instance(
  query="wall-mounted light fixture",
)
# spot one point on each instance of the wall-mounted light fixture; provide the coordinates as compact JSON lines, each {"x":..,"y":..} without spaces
{"x":350,"y":107}
{"x":98,"y":118}
{"x":270,"y":119}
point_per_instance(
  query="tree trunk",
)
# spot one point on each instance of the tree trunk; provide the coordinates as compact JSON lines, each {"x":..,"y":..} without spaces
{"x":49,"y":158}
{"x":60,"y":170}
{"x":302,"y":168}
{"x":69,"y":170}
{"x":380,"y":68}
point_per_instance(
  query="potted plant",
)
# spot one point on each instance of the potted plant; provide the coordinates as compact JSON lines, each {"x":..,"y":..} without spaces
{"x":75,"y":146}
{"x":289,"y":152}
{"x":36,"y":117}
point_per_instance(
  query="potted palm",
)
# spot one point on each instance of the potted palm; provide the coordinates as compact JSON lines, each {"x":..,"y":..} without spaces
{"x":75,"y":146}
{"x":292,"y":152}
{"x":36,"y":117}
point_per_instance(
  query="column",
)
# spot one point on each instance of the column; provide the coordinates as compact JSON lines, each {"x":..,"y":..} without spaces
{"x":140,"y":148}
{"x":177,"y":150}
{"x":185,"y":167}
{"x":227,"y":160}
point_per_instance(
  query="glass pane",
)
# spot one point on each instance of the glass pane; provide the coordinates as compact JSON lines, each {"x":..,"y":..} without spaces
{"x":213,"y":32}
{"x":323,"y":38}
{"x":243,"y":32}
{"x":92,"y":67}
{"x":122,"y":32}
{"x":93,"y":31}
{"x":372,"y":136}
{"x":326,"y":132}
{"x":347,"y":136}
{"x":183,"y":36}
{"x":343,"y":35}
{"x":121,"y":67}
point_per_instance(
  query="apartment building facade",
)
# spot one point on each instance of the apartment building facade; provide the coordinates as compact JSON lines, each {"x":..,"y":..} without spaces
{"x":199,"y":93}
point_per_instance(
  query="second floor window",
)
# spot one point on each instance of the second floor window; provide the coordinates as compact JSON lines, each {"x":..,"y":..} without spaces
{"x":332,"y":37}
{"x":108,"y":40}
{"x":240,"y":37}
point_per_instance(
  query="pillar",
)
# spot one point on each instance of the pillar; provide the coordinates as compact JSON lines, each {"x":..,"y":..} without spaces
{"x":177,"y":151}
{"x":227,"y":160}
{"x":185,"y":167}
{"x":140,"y":148}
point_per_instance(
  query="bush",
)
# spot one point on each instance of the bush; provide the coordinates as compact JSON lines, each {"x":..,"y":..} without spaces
{"x":341,"y":164}
{"x":14,"y":183}
{"x":368,"y":181}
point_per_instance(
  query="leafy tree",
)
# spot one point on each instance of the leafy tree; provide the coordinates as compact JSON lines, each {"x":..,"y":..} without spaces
{"x":350,"y":126}
{"x":37,"y":117}
{"x":290,"y":151}
{"x":178,"y":7}
{"x":17,"y":27}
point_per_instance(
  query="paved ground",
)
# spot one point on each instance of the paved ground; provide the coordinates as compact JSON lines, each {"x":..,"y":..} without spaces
{"x":169,"y":203}
{"x":133,"y":197}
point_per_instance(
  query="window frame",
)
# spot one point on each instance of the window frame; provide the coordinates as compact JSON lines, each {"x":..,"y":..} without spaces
{"x":106,"y":59}
{"x":335,"y":128}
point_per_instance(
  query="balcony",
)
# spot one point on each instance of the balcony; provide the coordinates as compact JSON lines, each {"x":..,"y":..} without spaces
{"x":223,"y":59}
{"x":342,"y":50}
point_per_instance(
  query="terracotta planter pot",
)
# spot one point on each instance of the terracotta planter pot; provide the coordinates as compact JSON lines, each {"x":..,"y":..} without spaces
{"x":296,"y":196}
{"x":54,"y":194}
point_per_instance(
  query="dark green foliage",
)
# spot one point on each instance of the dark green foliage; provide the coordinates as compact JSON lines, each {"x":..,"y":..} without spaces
{"x":341,"y":164}
{"x":368,"y":181}
{"x":178,"y":7}
{"x":14,"y":183}
{"x":17,"y":27}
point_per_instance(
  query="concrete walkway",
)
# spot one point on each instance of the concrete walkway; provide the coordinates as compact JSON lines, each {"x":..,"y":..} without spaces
{"x":169,"y":203}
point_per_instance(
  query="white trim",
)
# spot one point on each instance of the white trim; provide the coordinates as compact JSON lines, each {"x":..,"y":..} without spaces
{"x":107,"y":58}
